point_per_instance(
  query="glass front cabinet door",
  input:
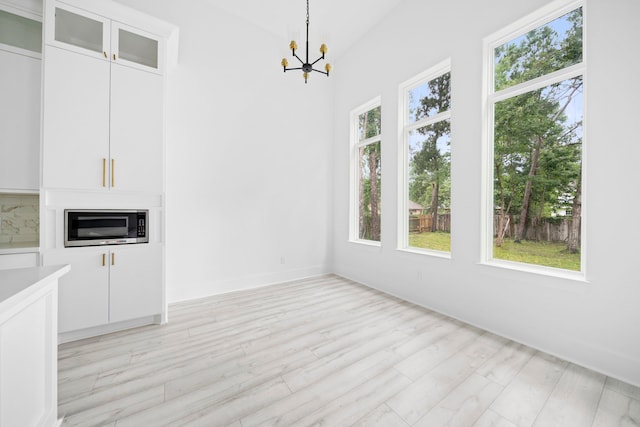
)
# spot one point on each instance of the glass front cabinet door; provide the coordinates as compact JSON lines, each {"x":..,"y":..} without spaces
{"x":94,"y":35}
{"x":135,"y":48}
{"x":20,"y":32}
{"x":78,"y":30}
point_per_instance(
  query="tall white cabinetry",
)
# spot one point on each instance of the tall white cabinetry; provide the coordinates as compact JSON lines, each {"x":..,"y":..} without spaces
{"x":110,"y":78}
{"x":20,"y":76}
{"x":105,"y":68}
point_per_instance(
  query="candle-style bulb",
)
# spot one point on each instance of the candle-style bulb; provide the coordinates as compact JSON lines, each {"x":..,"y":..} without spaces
{"x":323,"y":48}
{"x":284,"y":62}
{"x":293,"y":45}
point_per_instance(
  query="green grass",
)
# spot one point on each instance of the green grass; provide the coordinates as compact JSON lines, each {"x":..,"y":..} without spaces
{"x":548,"y":254}
{"x":438,"y":241}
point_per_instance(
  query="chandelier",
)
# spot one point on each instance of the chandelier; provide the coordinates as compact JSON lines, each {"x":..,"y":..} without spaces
{"x":306,"y":66}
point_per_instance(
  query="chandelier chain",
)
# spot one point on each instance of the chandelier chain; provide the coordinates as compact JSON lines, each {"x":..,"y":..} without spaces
{"x":307,"y":12}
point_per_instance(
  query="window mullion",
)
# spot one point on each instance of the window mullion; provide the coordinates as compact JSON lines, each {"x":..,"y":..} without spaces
{"x":538,"y":83}
{"x":369,"y":141}
{"x":428,"y":121}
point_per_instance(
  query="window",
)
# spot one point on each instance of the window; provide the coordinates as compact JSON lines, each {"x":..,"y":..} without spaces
{"x":426,"y":161}
{"x":366,"y":138}
{"x":535,"y":128}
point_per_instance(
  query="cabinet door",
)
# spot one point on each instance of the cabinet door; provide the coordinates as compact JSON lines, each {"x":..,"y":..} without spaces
{"x":77,"y":30}
{"x":136,"y":130}
{"x":76,"y":121}
{"x":136,"y":282}
{"x":21,"y":34}
{"x":136,"y":48}
{"x":19,"y":122}
{"x":83,"y":294}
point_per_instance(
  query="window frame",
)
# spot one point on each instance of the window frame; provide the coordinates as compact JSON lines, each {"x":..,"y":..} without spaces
{"x":491,"y":97}
{"x":404,"y":129}
{"x":354,"y":167}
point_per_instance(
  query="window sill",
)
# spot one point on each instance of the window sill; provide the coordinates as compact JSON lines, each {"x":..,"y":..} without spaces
{"x":427,"y":252}
{"x":370,"y":243}
{"x":576,"y":276}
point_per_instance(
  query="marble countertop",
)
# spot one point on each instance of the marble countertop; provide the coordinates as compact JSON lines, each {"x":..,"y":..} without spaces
{"x":19,"y":283}
{"x":19,"y":248}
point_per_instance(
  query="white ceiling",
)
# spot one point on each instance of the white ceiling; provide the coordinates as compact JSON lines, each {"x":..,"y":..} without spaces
{"x":338,"y":23}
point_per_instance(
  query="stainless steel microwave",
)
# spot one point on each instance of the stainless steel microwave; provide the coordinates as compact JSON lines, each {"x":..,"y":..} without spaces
{"x":105,"y":227}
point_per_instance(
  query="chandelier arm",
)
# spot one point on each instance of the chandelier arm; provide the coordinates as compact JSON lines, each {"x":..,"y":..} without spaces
{"x":321,"y":72}
{"x":296,"y":68}
{"x":319,"y":59}
{"x":298,"y":58}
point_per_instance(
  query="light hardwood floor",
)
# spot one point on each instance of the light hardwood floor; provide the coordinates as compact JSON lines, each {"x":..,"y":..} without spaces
{"x":326,"y":351}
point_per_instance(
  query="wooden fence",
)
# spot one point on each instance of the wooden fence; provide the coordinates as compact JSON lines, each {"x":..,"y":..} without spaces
{"x":549,"y":230}
{"x":422,"y":223}
{"x":545,"y":229}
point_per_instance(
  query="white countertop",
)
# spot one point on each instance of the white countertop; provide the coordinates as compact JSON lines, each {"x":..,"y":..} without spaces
{"x":18,"y":283}
{"x":19,"y":248}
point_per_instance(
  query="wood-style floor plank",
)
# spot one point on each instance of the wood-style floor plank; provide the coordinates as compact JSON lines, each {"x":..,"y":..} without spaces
{"x":574,"y":400}
{"x":523,"y":399}
{"x":617,"y":410}
{"x":326,"y":351}
{"x":464,"y":405}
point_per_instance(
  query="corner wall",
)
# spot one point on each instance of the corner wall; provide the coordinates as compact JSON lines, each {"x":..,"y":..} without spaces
{"x":594,"y":323}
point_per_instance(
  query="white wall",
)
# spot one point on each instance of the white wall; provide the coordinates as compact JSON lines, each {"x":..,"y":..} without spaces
{"x":248,"y":157}
{"x":593,"y":323}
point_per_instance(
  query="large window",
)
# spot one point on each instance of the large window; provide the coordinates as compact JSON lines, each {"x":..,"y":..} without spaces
{"x":535,"y":128}
{"x":366,"y":138}
{"x":426,"y":161}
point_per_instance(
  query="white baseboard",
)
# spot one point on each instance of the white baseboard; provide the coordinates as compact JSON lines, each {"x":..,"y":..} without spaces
{"x":95,"y":331}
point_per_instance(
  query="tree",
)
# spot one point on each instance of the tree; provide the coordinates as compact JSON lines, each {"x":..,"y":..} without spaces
{"x":430,"y":165}
{"x":545,"y":138}
{"x":369,"y":176}
{"x":537,"y":154}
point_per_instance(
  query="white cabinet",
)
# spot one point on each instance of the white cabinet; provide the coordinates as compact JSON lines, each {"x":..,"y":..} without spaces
{"x":83,"y":294}
{"x":103,"y":108}
{"x":136,"y":282}
{"x":76,"y":121}
{"x":29,"y":347}
{"x":135,"y":48}
{"x":108,"y":285}
{"x":136,"y":131}
{"x":21,"y":31}
{"x":103,"y":38}
{"x":20,"y":64}
{"x":103,"y":148}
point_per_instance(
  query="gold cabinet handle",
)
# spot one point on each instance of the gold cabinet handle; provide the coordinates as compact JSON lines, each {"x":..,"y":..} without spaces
{"x":113,"y":258}
{"x":105,"y":54}
{"x":104,"y":172}
{"x":114,"y":56}
{"x":104,"y":256}
{"x":113,"y":172}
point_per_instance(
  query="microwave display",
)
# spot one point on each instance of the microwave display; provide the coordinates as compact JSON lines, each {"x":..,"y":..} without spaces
{"x":105,"y":227}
